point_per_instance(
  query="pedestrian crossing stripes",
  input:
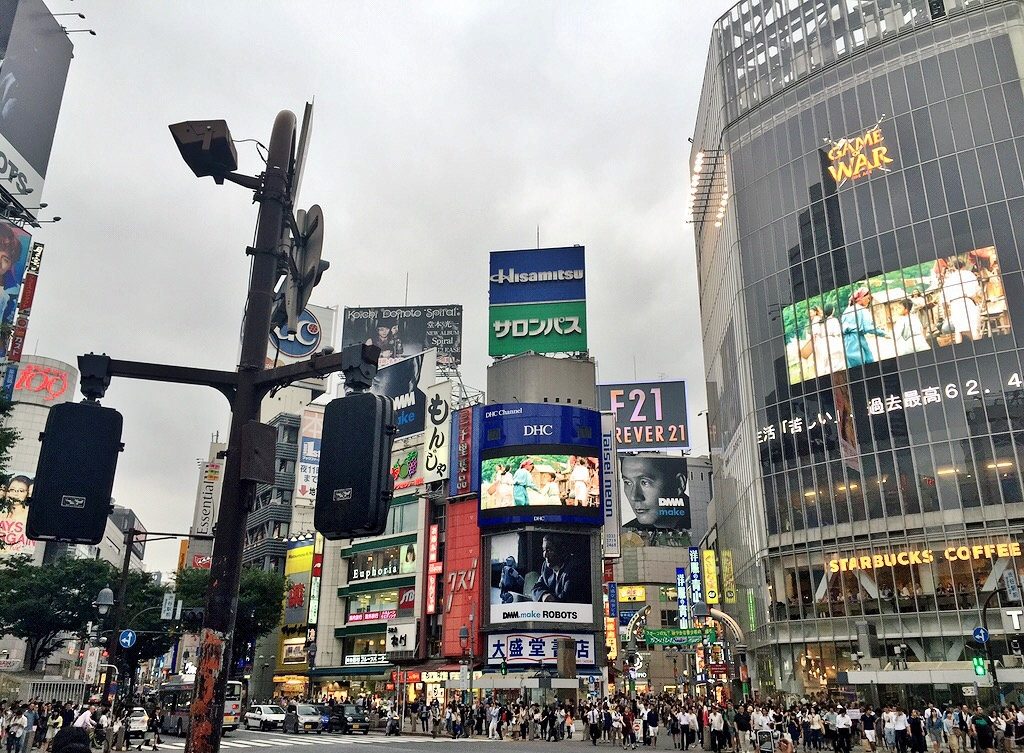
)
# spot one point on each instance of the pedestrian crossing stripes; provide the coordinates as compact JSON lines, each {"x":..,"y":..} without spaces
{"x":272,"y":740}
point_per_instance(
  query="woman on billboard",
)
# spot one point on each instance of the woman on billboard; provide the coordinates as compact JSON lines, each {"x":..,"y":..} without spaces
{"x":858,"y":323}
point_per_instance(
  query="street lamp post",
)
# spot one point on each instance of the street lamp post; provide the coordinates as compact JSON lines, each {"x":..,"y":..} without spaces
{"x":466,"y":641}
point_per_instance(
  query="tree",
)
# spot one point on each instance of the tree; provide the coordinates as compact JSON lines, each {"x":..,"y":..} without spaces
{"x":260,"y":604}
{"x":42,"y":605}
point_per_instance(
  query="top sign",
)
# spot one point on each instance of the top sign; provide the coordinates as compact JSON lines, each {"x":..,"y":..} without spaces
{"x":648,"y":415}
{"x":538,"y":276}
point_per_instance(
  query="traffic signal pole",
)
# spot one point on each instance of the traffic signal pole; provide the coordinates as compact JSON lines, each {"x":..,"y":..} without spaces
{"x":250,"y":452}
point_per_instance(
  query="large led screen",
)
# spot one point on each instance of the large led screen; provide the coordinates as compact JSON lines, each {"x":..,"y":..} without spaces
{"x":539,"y":463}
{"x":541,"y":576}
{"x":917,"y":308}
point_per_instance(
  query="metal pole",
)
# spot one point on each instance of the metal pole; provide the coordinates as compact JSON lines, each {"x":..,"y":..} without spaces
{"x":113,"y":648}
{"x":238,"y":494}
{"x":988,"y":646}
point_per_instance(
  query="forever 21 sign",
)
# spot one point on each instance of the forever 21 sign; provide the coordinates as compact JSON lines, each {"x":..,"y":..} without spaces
{"x":648,"y":415}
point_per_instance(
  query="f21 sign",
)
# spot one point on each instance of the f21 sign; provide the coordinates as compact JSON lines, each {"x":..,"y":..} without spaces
{"x":648,"y":415}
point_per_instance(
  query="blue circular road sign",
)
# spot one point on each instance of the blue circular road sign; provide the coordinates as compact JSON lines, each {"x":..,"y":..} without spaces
{"x":128,"y":637}
{"x":981,"y":635}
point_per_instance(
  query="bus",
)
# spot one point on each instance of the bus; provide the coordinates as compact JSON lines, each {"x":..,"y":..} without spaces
{"x":175,"y":697}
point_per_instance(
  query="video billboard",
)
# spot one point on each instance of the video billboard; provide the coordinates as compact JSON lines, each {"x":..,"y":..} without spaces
{"x":406,"y":382}
{"x":540,"y":462}
{"x":401,"y":331}
{"x":35,"y":55}
{"x":648,"y":415}
{"x":537,"y":301}
{"x":541,"y":576}
{"x":916,"y":308}
{"x":656,"y":491}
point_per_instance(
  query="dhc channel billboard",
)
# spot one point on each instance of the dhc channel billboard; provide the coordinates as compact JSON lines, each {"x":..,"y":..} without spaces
{"x":539,"y":463}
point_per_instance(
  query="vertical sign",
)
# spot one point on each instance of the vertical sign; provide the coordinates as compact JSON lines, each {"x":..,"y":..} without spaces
{"x":314,"y":580}
{"x":167,"y":608}
{"x":92,"y":665}
{"x":1012,"y":585}
{"x":28,"y":294}
{"x":438,"y":432}
{"x":728,"y":577}
{"x":696,"y":588}
{"x":610,"y":488}
{"x":613,"y":599}
{"x":464,"y":469}
{"x":681,"y":600}
{"x":711,"y":577}
{"x":433,"y":541}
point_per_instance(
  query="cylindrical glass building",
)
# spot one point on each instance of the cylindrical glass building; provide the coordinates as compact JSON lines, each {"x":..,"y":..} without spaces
{"x":858,"y":204}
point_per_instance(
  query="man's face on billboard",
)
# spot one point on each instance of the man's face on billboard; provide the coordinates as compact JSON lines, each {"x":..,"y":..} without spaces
{"x":645,"y":483}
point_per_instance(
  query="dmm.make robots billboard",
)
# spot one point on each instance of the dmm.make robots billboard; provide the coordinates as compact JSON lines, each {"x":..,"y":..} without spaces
{"x":539,"y":463}
{"x":538,"y":301}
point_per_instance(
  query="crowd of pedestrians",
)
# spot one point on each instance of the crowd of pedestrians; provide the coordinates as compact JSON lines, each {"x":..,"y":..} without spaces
{"x":37,"y":725}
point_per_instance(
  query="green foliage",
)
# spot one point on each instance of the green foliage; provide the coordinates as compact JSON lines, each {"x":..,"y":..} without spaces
{"x":8,"y":436}
{"x":260,"y":603}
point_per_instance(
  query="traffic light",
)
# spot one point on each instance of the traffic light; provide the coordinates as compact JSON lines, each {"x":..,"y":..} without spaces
{"x":75,"y":475}
{"x":355,"y":485}
{"x":980,"y":668}
{"x":504,"y":668}
{"x":305,"y":268}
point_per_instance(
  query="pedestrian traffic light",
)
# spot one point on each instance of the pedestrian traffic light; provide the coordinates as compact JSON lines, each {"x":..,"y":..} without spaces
{"x":504,"y":668}
{"x":980,"y":668}
{"x":355,"y":485}
{"x":71,"y":497}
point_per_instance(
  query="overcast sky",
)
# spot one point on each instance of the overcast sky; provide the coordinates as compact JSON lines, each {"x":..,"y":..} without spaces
{"x":443,"y":130}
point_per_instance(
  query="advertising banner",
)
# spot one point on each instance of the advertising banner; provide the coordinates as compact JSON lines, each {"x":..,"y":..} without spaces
{"x":405,"y":382}
{"x":401,"y":637}
{"x":35,"y":55}
{"x":537,"y":301}
{"x":541,"y":576}
{"x":539,"y":462}
{"x":298,"y":568}
{"x":632,"y":594}
{"x":728,"y":578}
{"x":92,"y":665}
{"x":465,"y":464}
{"x":315,"y":578}
{"x":710,"y":567}
{"x":433,"y":548}
{"x":696,"y":586}
{"x":916,"y":308}
{"x":648,"y":415}
{"x":436,"y":441}
{"x":517,"y":649}
{"x":401,"y":331}
{"x":538,"y":327}
{"x":20,"y":329}
{"x":43,"y":381}
{"x":211,"y":477}
{"x":655,"y":488}
{"x":12,"y":524}
{"x":462,"y":574}
{"x":406,"y":468}
{"x":311,"y":431}
{"x":611,"y":504}
{"x":14,"y":257}
{"x":613,"y":600}
{"x":680,"y":636}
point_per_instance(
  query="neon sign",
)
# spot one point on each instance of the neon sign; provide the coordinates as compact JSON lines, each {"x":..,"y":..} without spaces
{"x":854,"y":157}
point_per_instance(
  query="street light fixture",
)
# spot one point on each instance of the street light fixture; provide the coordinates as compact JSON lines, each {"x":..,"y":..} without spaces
{"x":104,"y":601}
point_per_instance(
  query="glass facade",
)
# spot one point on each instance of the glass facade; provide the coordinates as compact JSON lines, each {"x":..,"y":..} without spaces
{"x":865,"y":280}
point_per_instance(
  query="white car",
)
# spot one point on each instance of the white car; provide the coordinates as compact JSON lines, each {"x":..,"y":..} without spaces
{"x":264,"y":717}
{"x":138,"y":723}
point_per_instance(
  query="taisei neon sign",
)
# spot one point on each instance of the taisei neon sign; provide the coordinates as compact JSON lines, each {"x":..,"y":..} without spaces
{"x":854,"y":157}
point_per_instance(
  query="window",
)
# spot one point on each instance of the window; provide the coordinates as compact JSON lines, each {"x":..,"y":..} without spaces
{"x":375,"y":605}
{"x":285,"y":466}
{"x":378,"y":563}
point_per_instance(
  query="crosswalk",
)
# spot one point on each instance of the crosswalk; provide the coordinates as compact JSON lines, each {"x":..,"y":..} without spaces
{"x":280,"y":740}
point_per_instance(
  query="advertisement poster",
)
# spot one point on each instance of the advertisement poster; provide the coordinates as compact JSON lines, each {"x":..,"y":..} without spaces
{"x":311,"y":431}
{"x":20,"y":329}
{"x":540,"y":462}
{"x":36,"y":55}
{"x":406,"y":382}
{"x":407,"y":467}
{"x":710,"y":568}
{"x":437,"y":439}
{"x":464,"y":464}
{"x":541,"y":576}
{"x":401,"y":331}
{"x":656,"y":496}
{"x":537,"y":301}
{"x":298,"y":568}
{"x":648,"y":415}
{"x":315,"y":332}
{"x":917,"y":308}
{"x":14,"y":253}
{"x":12,"y":524}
